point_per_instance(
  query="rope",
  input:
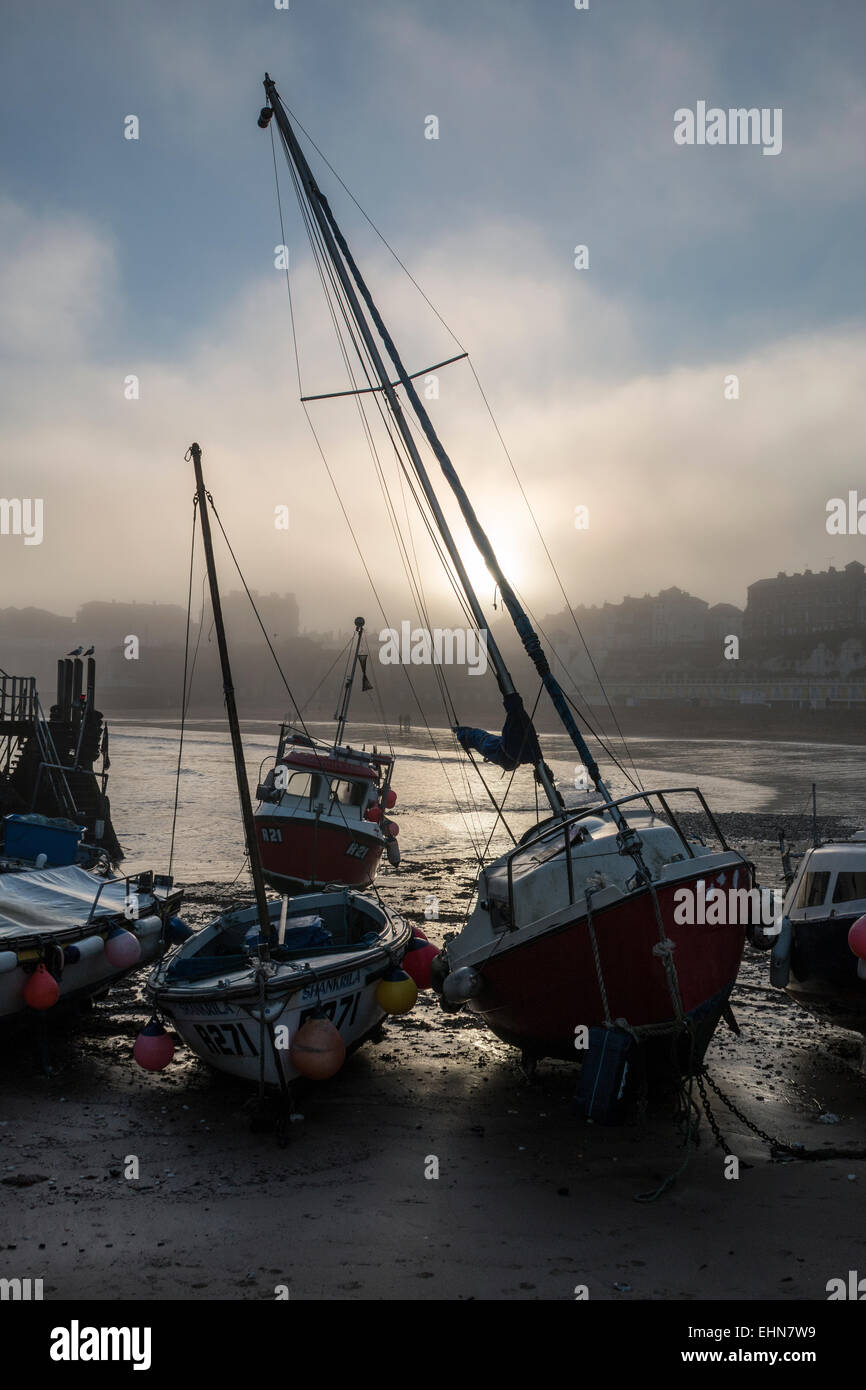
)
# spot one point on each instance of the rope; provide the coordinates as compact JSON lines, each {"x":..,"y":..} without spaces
{"x":257,"y":615}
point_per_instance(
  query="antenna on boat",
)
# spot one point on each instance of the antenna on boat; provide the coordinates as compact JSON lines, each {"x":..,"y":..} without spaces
{"x":343,"y":711}
{"x":194,"y":453}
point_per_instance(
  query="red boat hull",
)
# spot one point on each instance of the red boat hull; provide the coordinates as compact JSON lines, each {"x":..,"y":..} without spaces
{"x":537,"y":993}
{"x":299,"y":853}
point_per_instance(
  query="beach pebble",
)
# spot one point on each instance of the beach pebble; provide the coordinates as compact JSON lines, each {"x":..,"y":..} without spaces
{"x":828,"y":1119}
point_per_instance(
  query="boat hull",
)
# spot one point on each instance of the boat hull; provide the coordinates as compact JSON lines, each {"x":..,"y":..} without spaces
{"x":300,"y":853}
{"x":537,"y":993}
{"x":241,"y":1015}
{"x":825,"y":978}
{"x":91,"y":976}
{"x":228,"y":1035}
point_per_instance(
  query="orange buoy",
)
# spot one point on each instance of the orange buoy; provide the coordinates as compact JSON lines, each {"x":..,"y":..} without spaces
{"x":42,"y":990}
{"x":317,"y":1050}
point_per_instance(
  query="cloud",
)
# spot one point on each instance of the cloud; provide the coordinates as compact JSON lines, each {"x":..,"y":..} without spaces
{"x":57,"y":283}
{"x":683,"y":486}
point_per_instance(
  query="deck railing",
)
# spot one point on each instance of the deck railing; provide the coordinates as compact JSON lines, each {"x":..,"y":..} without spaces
{"x":551,"y":831}
{"x":17,"y":699}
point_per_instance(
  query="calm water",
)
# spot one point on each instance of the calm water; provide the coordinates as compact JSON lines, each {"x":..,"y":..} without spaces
{"x":753,"y":776}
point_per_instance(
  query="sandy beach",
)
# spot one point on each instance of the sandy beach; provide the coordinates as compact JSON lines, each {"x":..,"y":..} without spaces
{"x":529,"y":1202}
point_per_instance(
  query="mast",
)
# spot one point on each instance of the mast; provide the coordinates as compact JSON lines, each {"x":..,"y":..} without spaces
{"x":336,"y":244}
{"x":194,"y":453}
{"x":342,"y":712}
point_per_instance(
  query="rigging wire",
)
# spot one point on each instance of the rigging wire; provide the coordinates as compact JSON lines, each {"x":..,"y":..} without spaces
{"x":183,"y":698}
{"x":326,"y":273}
{"x":638,"y":784}
{"x":310,"y":698}
{"x":257,"y":615}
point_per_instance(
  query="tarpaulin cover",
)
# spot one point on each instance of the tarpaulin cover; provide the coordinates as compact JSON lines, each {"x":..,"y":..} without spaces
{"x":516,"y":744}
{"x":55,"y":900}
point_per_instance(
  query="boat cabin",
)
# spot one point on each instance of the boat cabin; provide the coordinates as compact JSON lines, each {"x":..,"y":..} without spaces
{"x":322,"y":782}
{"x":830,"y":882}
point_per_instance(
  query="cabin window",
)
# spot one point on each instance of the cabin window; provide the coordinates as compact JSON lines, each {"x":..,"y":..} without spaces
{"x":813,"y":890}
{"x":299,"y":784}
{"x":849,"y":886}
{"x":350,"y":795}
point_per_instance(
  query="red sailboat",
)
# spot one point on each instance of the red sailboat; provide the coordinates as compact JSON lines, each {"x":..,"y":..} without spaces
{"x":579,"y":944}
{"x":322,"y":813}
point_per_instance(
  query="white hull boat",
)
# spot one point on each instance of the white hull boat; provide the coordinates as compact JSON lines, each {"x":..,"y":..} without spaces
{"x":241,"y":1013}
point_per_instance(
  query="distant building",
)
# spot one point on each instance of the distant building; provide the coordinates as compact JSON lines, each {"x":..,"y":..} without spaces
{"x":671,"y":618}
{"x":724,"y":620}
{"x":107,"y":624}
{"x":802,"y":605}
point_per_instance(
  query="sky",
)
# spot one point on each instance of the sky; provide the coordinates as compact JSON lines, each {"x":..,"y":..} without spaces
{"x":154,"y":258}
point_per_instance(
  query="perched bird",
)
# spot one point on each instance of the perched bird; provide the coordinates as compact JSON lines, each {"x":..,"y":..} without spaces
{"x":77,"y":652}
{"x":90,"y":651}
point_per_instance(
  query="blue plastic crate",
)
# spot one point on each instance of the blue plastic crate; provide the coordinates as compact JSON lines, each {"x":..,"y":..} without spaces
{"x":29,"y":836}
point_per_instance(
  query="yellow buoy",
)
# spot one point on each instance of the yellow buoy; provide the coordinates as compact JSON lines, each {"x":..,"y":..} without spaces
{"x":396,"y":992}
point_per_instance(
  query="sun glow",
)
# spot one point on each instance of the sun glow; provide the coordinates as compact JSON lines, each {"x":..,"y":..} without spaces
{"x":510,"y":562}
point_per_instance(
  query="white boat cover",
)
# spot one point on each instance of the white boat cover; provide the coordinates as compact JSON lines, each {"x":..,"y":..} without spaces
{"x":56,"y":900}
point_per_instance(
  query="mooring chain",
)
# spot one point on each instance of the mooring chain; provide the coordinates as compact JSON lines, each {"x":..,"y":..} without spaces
{"x":776,"y":1146}
{"x":713,"y":1123}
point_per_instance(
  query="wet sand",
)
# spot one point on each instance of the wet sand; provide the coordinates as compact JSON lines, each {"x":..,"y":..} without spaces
{"x":529,"y":1202}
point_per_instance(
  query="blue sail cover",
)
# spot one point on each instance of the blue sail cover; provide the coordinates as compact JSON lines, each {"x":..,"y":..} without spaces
{"x":518,"y":742}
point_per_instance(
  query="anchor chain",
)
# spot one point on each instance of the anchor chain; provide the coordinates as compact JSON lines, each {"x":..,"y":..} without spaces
{"x":776,"y":1146}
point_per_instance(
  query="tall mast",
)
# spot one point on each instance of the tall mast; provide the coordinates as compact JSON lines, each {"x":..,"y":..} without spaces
{"x":318,"y":205}
{"x":343,"y":262}
{"x":342,"y":712}
{"x":229,"y":693}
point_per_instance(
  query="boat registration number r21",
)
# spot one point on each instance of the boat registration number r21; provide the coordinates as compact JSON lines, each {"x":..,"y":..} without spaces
{"x":357,"y":851}
{"x":226,"y":1039}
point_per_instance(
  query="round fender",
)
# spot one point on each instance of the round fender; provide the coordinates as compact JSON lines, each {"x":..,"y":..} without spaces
{"x":780,"y":960}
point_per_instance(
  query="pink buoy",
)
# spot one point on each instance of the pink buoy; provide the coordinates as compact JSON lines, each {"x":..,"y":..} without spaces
{"x":391,"y":799}
{"x":857,"y":938}
{"x":42,"y":990}
{"x":122,"y":949}
{"x":392,"y":828}
{"x":373,"y":813}
{"x":154,"y":1047}
{"x":417,"y":962}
